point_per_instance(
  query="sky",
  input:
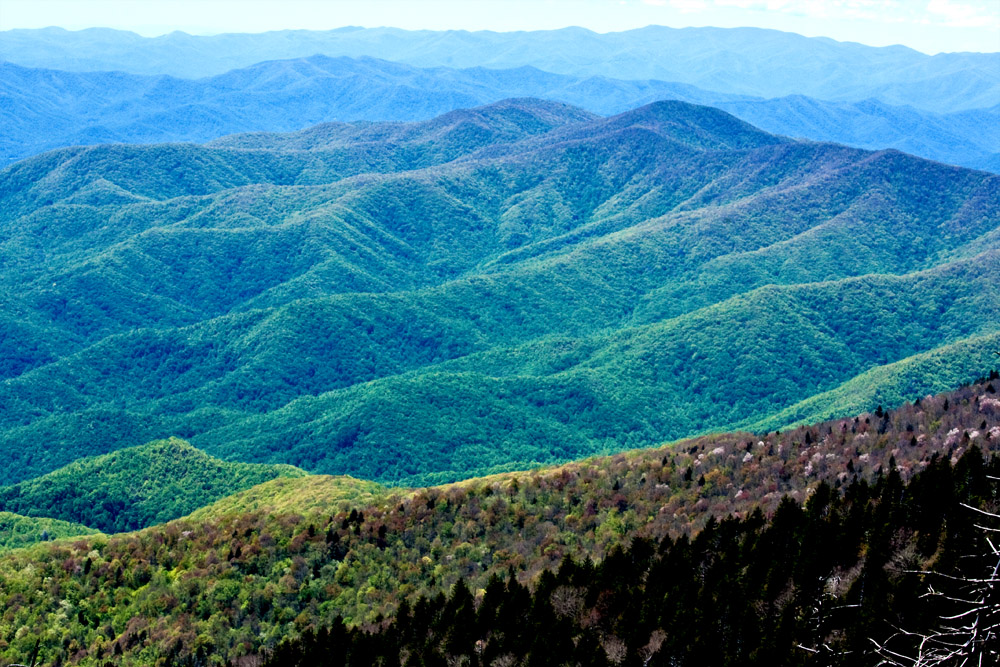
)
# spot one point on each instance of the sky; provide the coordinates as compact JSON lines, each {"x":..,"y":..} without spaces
{"x":931,"y":26}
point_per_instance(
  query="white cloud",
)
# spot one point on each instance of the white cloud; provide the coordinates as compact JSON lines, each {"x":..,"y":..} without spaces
{"x":931,"y":26}
{"x":689,"y":5}
{"x":684,"y":6}
{"x":965,"y":14}
{"x":953,"y":13}
{"x":818,"y":8}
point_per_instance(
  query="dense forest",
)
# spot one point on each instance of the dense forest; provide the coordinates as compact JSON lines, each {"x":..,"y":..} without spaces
{"x":18,"y":531}
{"x":285,"y":559}
{"x":490,"y":290}
{"x":136,"y":487}
{"x":830,"y":583}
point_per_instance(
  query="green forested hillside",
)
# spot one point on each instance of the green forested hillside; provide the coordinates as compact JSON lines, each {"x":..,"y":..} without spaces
{"x":297,"y":555}
{"x":18,"y":531}
{"x":517,"y":284}
{"x":819,"y":585}
{"x":135,"y":487}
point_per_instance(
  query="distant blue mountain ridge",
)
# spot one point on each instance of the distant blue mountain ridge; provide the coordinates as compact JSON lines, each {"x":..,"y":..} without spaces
{"x":43,"y":109}
{"x":742,"y":61}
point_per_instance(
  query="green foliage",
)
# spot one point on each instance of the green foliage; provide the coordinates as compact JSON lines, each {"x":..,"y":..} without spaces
{"x":920,"y":375}
{"x":293,"y":493}
{"x":18,"y":531}
{"x":289,"y":556}
{"x":280,"y":95}
{"x":811,"y":586}
{"x":136,"y":487}
{"x":490,"y":290}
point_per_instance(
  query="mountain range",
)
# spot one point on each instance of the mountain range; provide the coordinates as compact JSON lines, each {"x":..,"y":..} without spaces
{"x":46,"y":109}
{"x":495,"y":288}
{"x":744,"y":61}
{"x":377,"y":347}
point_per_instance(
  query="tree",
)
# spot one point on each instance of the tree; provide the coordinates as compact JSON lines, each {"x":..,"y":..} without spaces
{"x":968,"y":629}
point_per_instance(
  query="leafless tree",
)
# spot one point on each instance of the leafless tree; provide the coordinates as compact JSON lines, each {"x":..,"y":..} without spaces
{"x":656,"y":640}
{"x":615,"y":649}
{"x":969,"y":634}
{"x":505,"y":660}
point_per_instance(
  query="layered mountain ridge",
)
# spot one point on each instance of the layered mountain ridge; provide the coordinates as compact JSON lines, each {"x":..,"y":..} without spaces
{"x":47,"y":109}
{"x":529,"y":348}
{"x":499,"y":287}
{"x":745,"y":61}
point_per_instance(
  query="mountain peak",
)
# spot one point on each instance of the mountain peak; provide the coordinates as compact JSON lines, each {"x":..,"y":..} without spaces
{"x":453,"y":133}
{"x":522,"y":110}
{"x":701,"y":127}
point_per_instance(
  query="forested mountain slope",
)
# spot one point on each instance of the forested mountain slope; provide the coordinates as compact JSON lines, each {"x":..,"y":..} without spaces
{"x":47,"y":109}
{"x":966,"y":138}
{"x":18,"y":531}
{"x":294,"y":555}
{"x":491,"y":289}
{"x":136,"y":487}
{"x":744,"y":61}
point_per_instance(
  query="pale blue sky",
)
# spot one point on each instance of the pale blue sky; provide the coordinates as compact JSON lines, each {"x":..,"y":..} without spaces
{"x":931,"y":26}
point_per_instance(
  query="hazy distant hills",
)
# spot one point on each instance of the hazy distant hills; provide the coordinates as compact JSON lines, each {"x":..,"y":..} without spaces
{"x":496,"y":287}
{"x":46,"y":109}
{"x":966,"y":138}
{"x":746,"y":61}
{"x":51,"y":109}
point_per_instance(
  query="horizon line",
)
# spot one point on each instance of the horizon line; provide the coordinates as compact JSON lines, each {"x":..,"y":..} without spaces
{"x":498,"y":32}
